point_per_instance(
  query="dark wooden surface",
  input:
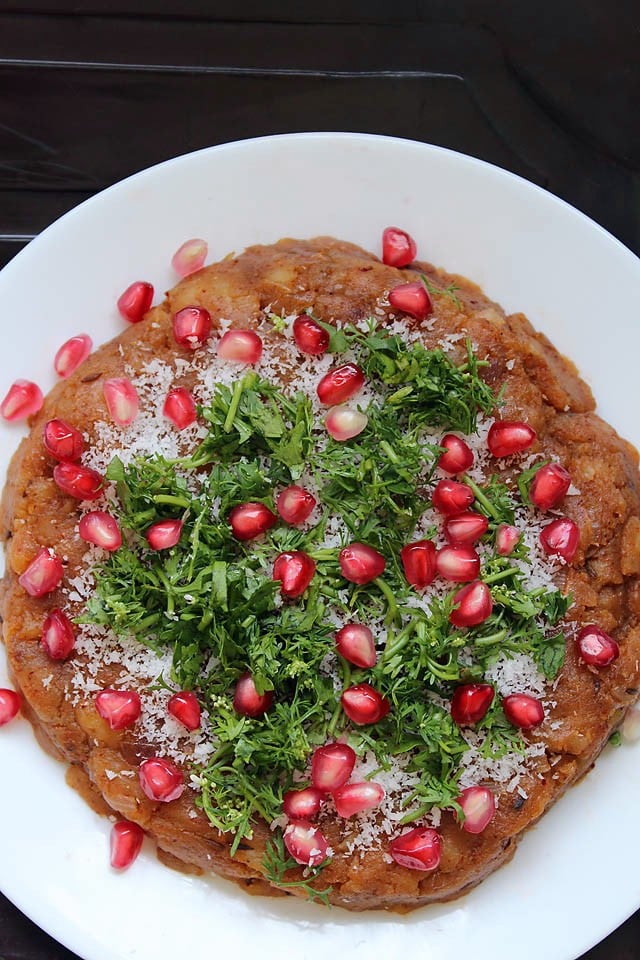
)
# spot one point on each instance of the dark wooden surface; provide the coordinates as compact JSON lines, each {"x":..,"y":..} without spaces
{"x":94,"y":90}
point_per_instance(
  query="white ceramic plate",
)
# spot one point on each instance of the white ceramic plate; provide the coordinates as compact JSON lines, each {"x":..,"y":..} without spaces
{"x":575,"y":876}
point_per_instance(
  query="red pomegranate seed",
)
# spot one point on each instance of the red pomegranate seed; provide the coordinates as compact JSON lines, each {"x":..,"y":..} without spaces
{"x":472,"y":605}
{"x":457,"y":456}
{"x":451,"y":496}
{"x":185,"y":708}
{"x":71,"y":354}
{"x":507,"y":539}
{"x":135,"y":301}
{"x":240,"y":346}
{"x":510,"y":436}
{"x":120,"y":708}
{"x":302,"y":804}
{"x":9,"y":705}
{"x":43,"y":574}
{"x":250,"y":520}
{"x":58,"y":637}
{"x":161,"y":779}
{"x":360,"y":563}
{"x":340,"y":384}
{"x":466,"y":527}
{"x":523,"y":711}
{"x":419,"y":563}
{"x":331,"y":766}
{"x":596,"y":647}
{"x":549,"y":486}
{"x":459,"y":563}
{"x":24,"y":398}
{"x":122,"y":400}
{"x":164,"y":534}
{"x":62,"y":441}
{"x":398,"y":247}
{"x":345,"y":423}
{"x":295,"y":504}
{"x":305,"y":843}
{"x":246,"y":699}
{"x":364,"y":705}
{"x":470,"y":702}
{"x":83,"y":483}
{"x":101,"y":529}
{"x":479,"y":807}
{"x":191,"y":327}
{"x":190,"y":256}
{"x":295,"y":570}
{"x":412,"y":299}
{"x":355,"y":643}
{"x":561,"y":538}
{"x":357,"y":798}
{"x":180,"y":408}
{"x":309,"y":336}
{"x":125,"y":843}
{"x":419,"y":849}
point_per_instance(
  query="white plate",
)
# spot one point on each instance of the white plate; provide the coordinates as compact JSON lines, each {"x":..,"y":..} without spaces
{"x":575,"y":876}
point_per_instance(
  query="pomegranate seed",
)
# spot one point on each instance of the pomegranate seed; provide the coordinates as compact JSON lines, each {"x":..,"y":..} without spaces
{"x":83,"y":483}
{"x":58,"y":638}
{"x":466,"y":527}
{"x":457,"y":456}
{"x":240,"y":346}
{"x":355,"y":643}
{"x":135,"y":301}
{"x":596,"y":647}
{"x":125,"y":843}
{"x":62,"y":441}
{"x":419,"y":849}
{"x":360,"y":563}
{"x":398,"y":248}
{"x":249,"y":520}
{"x":472,"y":605}
{"x":345,"y":423}
{"x":470,"y":702}
{"x":459,"y":563}
{"x":549,"y":486}
{"x":523,"y":711}
{"x":71,"y":354}
{"x":122,"y":400}
{"x":43,"y":574}
{"x":185,"y":708}
{"x":507,"y":539}
{"x":510,"y":436}
{"x":561,"y":538}
{"x":479,"y":807}
{"x":190,"y":256}
{"x":305,"y":843}
{"x":331,"y":766}
{"x":101,"y":529}
{"x":451,"y":496}
{"x":9,"y":705}
{"x":164,"y":534}
{"x":295,"y":570}
{"x":24,"y":398}
{"x":180,"y":408}
{"x":309,"y":336}
{"x":340,"y":384}
{"x":357,"y":798}
{"x":419,"y":563}
{"x":302,"y":804}
{"x":412,"y":299}
{"x":295,"y":504}
{"x":246,"y":699}
{"x":120,"y":708}
{"x":191,"y":327}
{"x":161,"y":779}
{"x":364,"y":705}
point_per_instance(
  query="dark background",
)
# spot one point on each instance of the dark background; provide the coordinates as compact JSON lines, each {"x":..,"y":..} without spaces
{"x":95,"y":90}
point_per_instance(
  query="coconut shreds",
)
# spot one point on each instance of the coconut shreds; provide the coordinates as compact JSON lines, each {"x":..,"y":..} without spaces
{"x":130,"y":664}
